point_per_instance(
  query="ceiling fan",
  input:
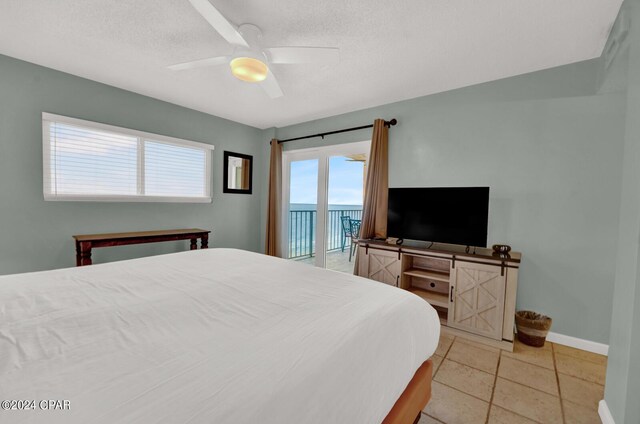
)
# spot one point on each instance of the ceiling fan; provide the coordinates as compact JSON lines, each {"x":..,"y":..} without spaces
{"x":250,"y":61}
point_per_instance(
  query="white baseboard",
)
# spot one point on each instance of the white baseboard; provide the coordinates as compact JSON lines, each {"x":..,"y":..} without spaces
{"x":588,"y":345}
{"x":605,"y":414}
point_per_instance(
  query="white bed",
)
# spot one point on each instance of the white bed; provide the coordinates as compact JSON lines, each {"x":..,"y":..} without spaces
{"x":208,"y":336}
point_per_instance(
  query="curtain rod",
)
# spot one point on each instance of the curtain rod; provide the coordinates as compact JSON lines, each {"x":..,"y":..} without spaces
{"x":390,"y":123}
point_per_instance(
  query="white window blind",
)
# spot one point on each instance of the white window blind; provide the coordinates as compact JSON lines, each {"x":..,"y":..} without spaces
{"x":86,"y":160}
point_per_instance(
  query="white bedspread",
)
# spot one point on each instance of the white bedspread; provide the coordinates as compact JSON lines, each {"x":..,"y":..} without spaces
{"x":208,"y":336}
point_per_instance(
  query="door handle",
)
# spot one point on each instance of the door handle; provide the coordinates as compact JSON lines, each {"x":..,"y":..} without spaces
{"x":451,"y":295}
{"x":397,"y":280}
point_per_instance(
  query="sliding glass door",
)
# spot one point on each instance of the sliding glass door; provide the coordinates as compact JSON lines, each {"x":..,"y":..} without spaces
{"x":302,"y":209}
{"x":322,"y":204}
{"x":345,"y":195}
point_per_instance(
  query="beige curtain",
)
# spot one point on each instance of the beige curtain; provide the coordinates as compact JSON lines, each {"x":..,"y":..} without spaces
{"x":376,"y":189}
{"x":272,"y":240}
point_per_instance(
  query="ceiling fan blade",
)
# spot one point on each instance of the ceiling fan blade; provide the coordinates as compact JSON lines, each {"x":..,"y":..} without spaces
{"x":225,"y":28}
{"x":291,"y":55}
{"x":271,"y":87}
{"x":211,"y":61}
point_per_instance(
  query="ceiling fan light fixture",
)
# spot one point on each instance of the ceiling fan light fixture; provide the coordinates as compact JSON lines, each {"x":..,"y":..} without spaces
{"x":249,"y":69}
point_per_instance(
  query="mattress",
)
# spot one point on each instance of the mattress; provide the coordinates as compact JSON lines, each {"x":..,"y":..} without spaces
{"x":207,"y":336}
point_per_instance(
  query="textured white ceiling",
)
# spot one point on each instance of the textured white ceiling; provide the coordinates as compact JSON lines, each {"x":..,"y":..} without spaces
{"x":390,"y":49}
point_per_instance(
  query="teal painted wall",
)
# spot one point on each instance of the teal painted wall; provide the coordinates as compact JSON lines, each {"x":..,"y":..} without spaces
{"x":549,"y":144}
{"x":36,"y":235}
{"x":623,"y":370}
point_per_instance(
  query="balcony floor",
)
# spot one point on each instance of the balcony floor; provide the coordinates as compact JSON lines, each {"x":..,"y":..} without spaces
{"x":336,"y":260}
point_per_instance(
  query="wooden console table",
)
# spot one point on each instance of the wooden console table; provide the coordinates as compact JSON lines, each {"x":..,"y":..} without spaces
{"x":86,"y":242}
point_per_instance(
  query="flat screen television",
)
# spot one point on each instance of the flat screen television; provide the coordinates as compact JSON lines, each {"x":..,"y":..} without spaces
{"x":456,"y":215}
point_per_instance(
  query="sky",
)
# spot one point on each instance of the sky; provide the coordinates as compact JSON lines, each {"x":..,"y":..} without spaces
{"x":345,"y":181}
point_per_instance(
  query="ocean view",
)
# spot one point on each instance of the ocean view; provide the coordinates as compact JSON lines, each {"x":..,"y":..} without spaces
{"x":312,"y":206}
{"x":302,"y":227}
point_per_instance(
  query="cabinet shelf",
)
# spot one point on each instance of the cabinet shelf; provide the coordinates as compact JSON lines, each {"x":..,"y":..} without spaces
{"x":434,"y":298}
{"x":431,"y":275}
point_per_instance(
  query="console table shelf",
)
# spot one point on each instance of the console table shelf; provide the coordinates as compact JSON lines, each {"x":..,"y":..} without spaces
{"x":431,"y":275}
{"x":435,"y":299}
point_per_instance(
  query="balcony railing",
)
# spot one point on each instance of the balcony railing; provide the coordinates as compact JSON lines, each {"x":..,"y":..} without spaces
{"x":302,"y":231}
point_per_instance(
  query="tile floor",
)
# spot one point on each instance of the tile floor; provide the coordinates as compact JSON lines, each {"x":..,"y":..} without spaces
{"x":474,"y":383}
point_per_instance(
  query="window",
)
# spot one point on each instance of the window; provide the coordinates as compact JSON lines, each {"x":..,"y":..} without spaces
{"x":86,"y":160}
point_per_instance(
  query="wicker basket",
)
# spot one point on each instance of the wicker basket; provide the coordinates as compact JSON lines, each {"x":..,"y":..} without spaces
{"x":532,"y":327}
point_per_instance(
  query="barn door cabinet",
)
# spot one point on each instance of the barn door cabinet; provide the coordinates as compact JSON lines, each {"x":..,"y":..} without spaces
{"x":473,"y":290}
{"x":381,"y":265}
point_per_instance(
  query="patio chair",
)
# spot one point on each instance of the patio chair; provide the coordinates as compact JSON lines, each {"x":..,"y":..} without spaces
{"x":355,"y":233}
{"x":350,"y":229}
{"x":346,"y":229}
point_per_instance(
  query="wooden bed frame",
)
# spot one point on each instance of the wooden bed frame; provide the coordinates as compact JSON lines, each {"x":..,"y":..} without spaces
{"x":415,"y":397}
